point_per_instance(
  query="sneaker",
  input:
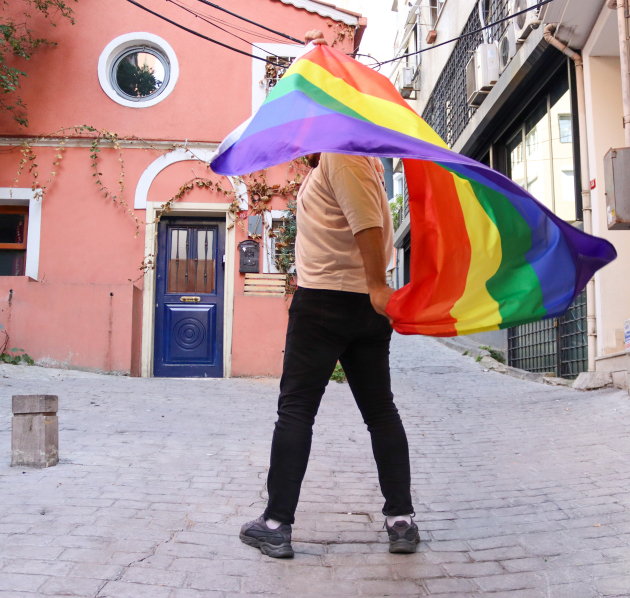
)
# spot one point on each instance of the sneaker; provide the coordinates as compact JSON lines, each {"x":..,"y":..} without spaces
{"x":403,"y":537}
{"x":272,"y":542}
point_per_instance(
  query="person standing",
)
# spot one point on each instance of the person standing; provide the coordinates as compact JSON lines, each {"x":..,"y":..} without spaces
{"x":344,"y":243}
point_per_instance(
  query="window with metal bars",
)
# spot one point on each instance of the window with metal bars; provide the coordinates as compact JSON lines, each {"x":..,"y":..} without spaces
{"x":275,"y":68}
{"x":557,"y":345}
{"x":447,"y":110}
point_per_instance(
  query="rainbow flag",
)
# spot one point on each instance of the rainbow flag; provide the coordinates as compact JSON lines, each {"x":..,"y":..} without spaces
{"x":485,"y":254}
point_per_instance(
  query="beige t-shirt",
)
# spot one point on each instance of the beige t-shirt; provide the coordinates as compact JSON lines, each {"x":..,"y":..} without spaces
{"x":341,"y":197}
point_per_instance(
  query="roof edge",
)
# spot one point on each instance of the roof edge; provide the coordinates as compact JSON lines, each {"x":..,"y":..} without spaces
{"x":325,"y":9}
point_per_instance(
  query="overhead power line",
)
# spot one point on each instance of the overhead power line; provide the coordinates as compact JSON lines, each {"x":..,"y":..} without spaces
{"x":520,"y":12}
{"x":240,"y":28}
{"x":209,"y":21}
{"x":252,"y":22}
{"x":214,"y":41}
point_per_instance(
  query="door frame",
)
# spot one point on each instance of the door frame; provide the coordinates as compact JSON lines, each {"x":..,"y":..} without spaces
{"x":208,"y":210}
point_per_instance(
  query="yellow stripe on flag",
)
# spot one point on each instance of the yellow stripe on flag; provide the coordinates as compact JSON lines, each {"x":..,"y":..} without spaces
{"x":476,"y":308}
{"x":377,"y":110}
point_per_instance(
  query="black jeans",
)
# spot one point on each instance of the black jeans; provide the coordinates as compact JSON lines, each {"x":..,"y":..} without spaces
{"x":326,"y":326}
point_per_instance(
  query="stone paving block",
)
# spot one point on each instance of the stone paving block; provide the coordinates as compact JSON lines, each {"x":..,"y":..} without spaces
{"x":473,"y":569}
{"x":509,"y":581}
{"x":206,"y":581}
{"x":71,"y":586}
{"x":613,"y":586}
{"x":498,"y":554}
{"x":52,"y":568}
{"x":573,"y":590}
{"x":523,"y":564}
{"x":389,"y":587}
{"x":175,"y":579}
{"x":92,"y":571}
{"x":449,"y":585}
{"x":184,"y":593}
{"x":19,"y":582}
{"x":120,"y":589}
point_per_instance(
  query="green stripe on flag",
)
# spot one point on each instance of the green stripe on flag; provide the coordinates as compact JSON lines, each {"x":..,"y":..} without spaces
{"x":515,"y":286}
{"x":297,"y":82}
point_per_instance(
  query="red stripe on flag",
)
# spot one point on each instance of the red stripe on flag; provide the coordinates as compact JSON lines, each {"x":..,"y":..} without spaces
{"x":440,"y":254}
{"x":354,"y":73}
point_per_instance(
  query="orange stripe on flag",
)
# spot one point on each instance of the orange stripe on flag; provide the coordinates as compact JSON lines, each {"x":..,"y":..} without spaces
{"x":440,"y":253}
{"x":356,"y":74}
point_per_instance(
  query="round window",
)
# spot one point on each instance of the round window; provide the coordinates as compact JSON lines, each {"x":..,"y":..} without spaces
{"x":138,"y":70}
{"x":140,"y":74}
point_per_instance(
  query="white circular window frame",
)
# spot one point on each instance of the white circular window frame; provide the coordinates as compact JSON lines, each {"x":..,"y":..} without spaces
{"x":131,"y":40}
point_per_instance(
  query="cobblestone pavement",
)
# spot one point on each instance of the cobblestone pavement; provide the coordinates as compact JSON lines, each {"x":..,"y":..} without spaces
{"x":520,"y":489}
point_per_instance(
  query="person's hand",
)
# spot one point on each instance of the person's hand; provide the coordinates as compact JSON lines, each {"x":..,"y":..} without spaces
{"x":316,"y":36}
{"x":380,"y":296}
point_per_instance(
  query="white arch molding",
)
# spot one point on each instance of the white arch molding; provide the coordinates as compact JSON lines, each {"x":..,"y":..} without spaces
{"x":180,"y":154}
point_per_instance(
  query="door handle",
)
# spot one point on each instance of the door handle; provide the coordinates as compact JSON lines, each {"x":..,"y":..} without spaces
{"x":190,"y":299}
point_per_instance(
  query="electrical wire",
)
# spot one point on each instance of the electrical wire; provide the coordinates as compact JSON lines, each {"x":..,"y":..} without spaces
{"x":201,"y":16}
{"x":252,"y":22}
{"x":214,"y":41}
{"x":225,"y":23}
{"x":516,"y":14}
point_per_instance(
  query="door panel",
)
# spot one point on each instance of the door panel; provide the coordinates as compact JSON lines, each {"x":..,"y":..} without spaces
{"x":189,"y":298}
{"x":193,"y":334}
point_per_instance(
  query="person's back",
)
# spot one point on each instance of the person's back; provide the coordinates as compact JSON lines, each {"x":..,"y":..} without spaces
{"x":342,"y":196}
{"x":343,"y":246}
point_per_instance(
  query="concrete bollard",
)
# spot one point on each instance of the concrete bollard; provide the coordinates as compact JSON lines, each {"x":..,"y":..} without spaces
{"x":35,"y":431}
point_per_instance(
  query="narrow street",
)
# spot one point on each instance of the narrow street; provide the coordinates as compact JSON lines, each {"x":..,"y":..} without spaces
{"x":520,"y":489}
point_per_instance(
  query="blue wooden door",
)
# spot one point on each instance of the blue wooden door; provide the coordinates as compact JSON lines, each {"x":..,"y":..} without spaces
{"x":189,"y":298}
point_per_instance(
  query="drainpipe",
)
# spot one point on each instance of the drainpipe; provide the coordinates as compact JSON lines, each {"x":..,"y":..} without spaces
{"x":621,"y":6}
{"x":591,"y":319}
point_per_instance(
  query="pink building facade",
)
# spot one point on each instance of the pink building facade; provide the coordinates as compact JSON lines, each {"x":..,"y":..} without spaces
{"x":72,"y":290}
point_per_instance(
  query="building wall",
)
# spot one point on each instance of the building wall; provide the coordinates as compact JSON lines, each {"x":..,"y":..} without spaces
{"x":72,"y":325}
{"x":89,"y":247}
{"x":604,"y":114}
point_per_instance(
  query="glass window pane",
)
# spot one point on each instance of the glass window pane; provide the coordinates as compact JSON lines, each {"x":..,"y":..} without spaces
{"x":538,"y":155}
{"x":12,"y":228}
{"x":278,"y":247}
{"x":140,"y":74}
{"x":562,"y":149}
{"x":178,"y":264}
{"x":517,"y":166}
{"x":566,"y":133}
{"x":12,"y":263}
{"x":205,"y":262}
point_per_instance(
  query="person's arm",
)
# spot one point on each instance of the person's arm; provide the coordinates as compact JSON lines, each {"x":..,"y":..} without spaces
{"x":371,"y":246}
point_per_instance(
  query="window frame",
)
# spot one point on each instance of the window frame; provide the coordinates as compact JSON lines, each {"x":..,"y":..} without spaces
{"x":16,"y":210}
{"x":119,"y":46}
{"x":269,"y":244}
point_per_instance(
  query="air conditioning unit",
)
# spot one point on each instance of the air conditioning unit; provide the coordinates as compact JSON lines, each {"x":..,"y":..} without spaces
{"x":526,"y":22}
{"x":482,"y":73}
{"x":507,"y":47}
{"x":407,"y":82}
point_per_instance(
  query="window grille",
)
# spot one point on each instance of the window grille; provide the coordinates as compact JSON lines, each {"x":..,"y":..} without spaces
{"x":558,"y":345}
{"x":436,"y":11}
{"x":447,"y":110}
{"x":275,"y":68}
